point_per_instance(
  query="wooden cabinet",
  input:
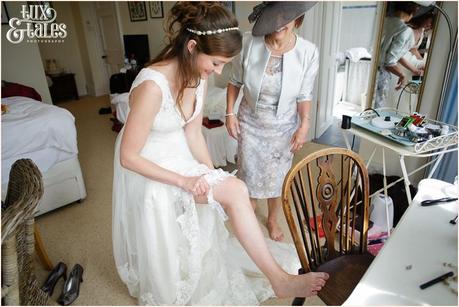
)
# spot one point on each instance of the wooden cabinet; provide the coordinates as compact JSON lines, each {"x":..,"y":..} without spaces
{"x":63,"y":87}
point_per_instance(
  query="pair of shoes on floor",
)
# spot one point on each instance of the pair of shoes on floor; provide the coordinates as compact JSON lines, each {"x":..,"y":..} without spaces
{"x":72,"y":283}
{"x":106,"y":110}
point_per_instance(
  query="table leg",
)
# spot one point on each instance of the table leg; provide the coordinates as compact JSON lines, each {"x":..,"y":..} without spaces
{"x":40,"y":248}
{"x":371,"y":157}
{"x":406,"y":179}
{"x":350,"y":148}
{"x":386,"y":196}
{"x":434,"y":168}
{"x":345,"y":139}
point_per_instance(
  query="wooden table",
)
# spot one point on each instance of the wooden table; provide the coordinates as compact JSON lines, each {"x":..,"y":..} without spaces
{"x":63,"y":87}
{"x":423,"y":246}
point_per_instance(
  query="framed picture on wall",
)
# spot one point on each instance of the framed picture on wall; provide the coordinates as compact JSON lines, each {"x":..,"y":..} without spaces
{"x":156,"y":9}
{"x":229,"y":5}
{"x":137,"y":10}
{"x":5,"y":17}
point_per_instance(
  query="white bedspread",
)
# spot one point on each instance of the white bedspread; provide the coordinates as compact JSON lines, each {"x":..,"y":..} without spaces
{"x":120,"y":101}
{"x":39,"y":131}
{"x":222,"y":147}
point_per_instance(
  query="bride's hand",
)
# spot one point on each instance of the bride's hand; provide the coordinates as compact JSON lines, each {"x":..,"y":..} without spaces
{"x":196,"y":185}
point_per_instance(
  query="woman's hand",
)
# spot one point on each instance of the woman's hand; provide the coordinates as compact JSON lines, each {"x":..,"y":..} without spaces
{"x":232,"y":125}
{"x":418,"y":72}
{"x":196,"y":185}
{"x":299,"y":138}
{"x":401,"y":82}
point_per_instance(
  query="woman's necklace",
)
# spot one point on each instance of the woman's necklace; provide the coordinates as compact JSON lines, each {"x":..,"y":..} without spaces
{"x":281,"y":50}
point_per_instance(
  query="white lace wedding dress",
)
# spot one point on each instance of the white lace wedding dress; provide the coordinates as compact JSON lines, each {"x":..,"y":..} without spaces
{"x":168,"y":249}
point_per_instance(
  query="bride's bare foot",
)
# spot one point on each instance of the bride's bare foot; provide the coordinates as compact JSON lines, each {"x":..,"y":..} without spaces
{"x":275,"y":232}
{"x":300,"y":285}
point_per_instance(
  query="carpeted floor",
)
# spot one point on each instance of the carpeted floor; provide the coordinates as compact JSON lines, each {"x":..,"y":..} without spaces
{"x":81,"y":232}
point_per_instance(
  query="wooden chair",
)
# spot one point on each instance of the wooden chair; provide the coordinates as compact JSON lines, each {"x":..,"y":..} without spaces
{"x":325,"y":198}
{"x":25,"y":189}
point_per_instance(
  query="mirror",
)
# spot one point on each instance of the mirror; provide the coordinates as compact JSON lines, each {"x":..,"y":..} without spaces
{"x":354,"y":56}
{"x":402,"y":57}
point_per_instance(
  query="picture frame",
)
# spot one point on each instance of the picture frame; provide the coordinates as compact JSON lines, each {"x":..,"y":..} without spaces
{"x":156,"y":9}
{"x":229,"y":5}
{"x":5,"y":16}
{"x":137,"y":11}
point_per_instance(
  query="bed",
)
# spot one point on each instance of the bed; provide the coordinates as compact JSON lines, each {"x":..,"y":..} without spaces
{"x":222,"y":147}
{"x":46,"y":134}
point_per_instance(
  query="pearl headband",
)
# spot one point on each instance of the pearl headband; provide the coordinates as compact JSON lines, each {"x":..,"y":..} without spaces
{"x":210,"y":32}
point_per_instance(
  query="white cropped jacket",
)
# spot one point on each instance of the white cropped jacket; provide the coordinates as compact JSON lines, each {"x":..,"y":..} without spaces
{"x":300,"y":66}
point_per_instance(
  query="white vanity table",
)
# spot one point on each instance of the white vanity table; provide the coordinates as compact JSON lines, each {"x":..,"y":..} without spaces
{"x":435,"y":148}
{"x":424,"y":245}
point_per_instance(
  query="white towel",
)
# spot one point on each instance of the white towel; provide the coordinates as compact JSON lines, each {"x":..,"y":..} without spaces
{"x":357,"y":53}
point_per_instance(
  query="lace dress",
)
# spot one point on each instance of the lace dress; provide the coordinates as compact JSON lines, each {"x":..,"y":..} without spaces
{"x":168,"y":249}
{"x":264,"y":156}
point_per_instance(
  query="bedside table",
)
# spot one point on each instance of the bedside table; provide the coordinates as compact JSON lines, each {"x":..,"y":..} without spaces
{"x":64,"y":87}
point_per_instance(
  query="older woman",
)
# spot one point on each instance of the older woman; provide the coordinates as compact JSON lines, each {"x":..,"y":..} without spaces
{"x":277,"y":69}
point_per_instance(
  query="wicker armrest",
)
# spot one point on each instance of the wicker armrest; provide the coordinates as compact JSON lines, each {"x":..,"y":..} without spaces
{"x":25,"y":189}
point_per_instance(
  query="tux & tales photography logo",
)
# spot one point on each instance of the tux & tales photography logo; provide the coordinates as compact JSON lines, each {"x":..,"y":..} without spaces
{"x":36,"y":25}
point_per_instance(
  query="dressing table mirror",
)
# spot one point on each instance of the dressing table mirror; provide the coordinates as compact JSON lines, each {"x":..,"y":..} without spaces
{"x":402,"y":49}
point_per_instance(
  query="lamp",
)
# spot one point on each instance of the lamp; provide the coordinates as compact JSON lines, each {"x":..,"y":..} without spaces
{"x":450,"y":53}
{"x":411,"y":88}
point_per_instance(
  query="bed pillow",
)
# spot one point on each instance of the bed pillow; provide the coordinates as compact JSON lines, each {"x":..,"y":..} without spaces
{"x":10,"y":89}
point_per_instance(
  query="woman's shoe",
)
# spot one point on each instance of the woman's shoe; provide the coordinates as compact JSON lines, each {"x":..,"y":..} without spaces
{"x":59,"y":270}
{"x":72,"y":286}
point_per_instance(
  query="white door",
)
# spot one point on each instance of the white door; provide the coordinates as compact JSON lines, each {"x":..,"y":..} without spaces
{"x":110,"y":37}
{"x":330,"y":32}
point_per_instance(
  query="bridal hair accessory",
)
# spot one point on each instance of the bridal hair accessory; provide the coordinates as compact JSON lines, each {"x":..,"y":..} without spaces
{"x":210,"y":32}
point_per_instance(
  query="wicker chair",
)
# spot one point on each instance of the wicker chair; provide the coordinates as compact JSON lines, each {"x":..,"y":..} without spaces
{"x":25,"y":188}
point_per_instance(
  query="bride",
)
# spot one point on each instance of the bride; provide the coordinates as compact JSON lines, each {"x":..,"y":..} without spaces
{"x":170,"y":242}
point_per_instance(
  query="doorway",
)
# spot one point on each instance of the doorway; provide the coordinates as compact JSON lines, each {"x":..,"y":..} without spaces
{"x":113,"y":54}
{"x":352,"y":69}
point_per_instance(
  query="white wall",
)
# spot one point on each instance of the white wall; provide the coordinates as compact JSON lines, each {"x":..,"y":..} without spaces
{"x":67,"y":53}
{"x":21,"y":62}
{"x":243,"y":10}
{"x":358,"y":22}
{"x":80,"y":34}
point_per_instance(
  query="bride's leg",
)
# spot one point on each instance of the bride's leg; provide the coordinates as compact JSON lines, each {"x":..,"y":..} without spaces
{"x":233,"y":195}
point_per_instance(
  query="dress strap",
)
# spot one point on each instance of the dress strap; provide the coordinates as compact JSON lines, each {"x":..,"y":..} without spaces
{"x":147,"y":74}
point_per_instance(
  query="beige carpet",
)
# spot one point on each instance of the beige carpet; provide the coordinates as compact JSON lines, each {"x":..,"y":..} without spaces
{"x":81,"y":232}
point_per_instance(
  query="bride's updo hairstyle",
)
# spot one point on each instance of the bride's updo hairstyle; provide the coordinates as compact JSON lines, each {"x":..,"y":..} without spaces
{"x":210,"y":25}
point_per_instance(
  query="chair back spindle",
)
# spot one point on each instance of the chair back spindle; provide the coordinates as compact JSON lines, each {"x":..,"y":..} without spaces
{"x":325,"y":199}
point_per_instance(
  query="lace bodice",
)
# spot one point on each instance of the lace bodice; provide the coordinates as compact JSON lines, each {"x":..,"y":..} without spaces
{"x":168,"y":118}
{"x":272,"y":84}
